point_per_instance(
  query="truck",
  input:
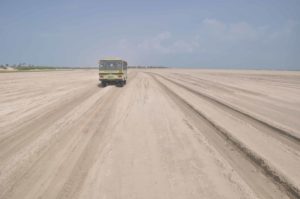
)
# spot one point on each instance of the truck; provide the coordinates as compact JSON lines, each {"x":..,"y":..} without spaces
{"x":112,"y":71}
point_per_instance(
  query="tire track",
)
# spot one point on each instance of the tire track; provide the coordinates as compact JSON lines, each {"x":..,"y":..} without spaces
{"x":73,"y":142}
{"x":27,"y":132}
{"x":18,"y":163}
{"x":89,"y":154}
{"x":282,"y":134}
{"x":275,"y":178}
{"x":78,"y":140}
{"x":95,"y":144}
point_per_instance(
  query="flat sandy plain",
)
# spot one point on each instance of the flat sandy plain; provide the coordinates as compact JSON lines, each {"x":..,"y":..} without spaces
{"x":169,"y":133}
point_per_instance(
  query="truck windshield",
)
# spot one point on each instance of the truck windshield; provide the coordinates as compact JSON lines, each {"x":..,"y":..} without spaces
{"x":110,"y":65}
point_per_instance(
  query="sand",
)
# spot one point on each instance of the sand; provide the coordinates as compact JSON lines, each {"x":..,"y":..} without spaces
{"x":168,"y":133}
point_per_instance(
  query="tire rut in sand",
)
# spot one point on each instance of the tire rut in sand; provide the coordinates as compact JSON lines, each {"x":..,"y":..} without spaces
{"x":95,"y":144}
{"x":284,"y":135}
{"x":19,"y":163}
{"x":88,"y":155}
{"x":264,"y":177}
{"x":28,"y":131}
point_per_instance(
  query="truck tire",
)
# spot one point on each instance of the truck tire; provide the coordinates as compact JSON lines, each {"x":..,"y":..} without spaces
{"x":121,"y":83}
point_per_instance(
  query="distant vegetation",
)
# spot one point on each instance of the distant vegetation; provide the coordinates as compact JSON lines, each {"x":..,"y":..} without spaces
{"x":147,"y":67}
{"x":50,"y":68}
{"x":30,"y":67}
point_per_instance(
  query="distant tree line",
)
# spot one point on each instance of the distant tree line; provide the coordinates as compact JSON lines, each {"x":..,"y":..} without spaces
{"x":147,"y":67}
{"x":24,"y":66}
{"x":16,"y":65}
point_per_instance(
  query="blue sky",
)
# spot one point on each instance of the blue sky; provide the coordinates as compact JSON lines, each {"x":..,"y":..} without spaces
{"x":211,"y":34}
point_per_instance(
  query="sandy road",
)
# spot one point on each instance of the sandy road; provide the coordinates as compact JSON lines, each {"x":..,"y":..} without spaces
{"x":63,"y":136}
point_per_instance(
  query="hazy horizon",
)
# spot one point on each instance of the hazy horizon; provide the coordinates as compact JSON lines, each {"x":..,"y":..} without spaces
{"x":205,"y":34}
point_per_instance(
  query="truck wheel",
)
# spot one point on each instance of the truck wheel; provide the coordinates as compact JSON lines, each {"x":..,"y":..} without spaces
{"x":103,"y":84}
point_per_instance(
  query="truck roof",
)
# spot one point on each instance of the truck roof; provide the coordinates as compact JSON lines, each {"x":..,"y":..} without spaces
{"x":111,"y":58}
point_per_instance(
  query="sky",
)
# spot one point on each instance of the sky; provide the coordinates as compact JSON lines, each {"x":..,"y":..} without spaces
{"x":253,"y":34}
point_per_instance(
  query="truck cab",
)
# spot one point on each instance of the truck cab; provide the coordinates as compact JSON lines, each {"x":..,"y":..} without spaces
{"x":112,"y":71}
